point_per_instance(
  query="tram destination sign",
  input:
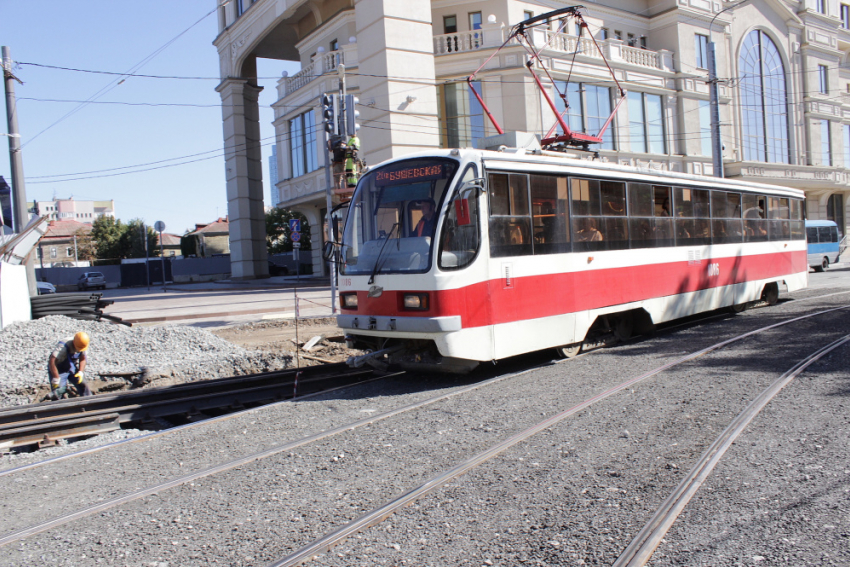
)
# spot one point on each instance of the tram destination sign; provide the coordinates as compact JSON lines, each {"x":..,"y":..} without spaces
{"x":391,"y":176}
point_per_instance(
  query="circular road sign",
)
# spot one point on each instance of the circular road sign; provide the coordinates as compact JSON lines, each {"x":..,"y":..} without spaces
{"x":295,"y":236}
{"x":159,"y":226}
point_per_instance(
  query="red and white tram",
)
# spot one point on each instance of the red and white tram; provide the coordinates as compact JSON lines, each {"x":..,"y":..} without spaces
{"x":530,"y":250}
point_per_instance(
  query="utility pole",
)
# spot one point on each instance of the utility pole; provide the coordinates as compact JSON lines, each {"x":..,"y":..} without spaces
{"x":714,"y":99}
{"x":19,"y":193}
{"x":714,"y":106}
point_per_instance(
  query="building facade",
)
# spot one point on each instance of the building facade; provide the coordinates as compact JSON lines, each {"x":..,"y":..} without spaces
{"x":65,"y":244}
{"x":72,"y":209}
{"x":784,"y":89}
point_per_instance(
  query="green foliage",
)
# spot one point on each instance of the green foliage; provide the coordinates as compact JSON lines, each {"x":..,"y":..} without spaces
{"x":133,"y":241}
{"x":106,"y":233}
{"x":116,"y":240}
{"x":277,"y":231}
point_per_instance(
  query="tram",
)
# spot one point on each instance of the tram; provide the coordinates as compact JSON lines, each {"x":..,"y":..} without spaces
{"x":454,"y":257}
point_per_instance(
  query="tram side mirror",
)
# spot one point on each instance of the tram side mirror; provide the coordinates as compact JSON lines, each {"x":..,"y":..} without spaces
{"x":475,"y":186}
{"x":329,"y":252}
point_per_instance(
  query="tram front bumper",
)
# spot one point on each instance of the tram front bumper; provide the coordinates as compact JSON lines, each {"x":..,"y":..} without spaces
{"x":400,"y":324}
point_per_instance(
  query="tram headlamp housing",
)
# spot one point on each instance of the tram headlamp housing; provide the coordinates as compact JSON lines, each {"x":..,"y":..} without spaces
{"x":348,"y":300}
{"x":416,"y":301}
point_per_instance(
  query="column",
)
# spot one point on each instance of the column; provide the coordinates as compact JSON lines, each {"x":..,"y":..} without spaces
{"x":396,"y":55}
{"x":244,"y":174}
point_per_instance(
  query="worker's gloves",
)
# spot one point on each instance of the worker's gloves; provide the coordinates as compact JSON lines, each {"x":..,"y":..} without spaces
{"x":78,"y":378}
{"x":54,"y":383}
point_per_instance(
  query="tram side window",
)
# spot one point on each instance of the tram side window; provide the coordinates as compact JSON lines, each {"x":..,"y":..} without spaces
{"x":779,"y":213}
{"x":599,"y":211}
{"x":726,"y":226}
{"x":550,"y":219}
{"x":755,"y":221}
{"x":798,"y":225}
{"x":510,"y":222}
{"x":693,"y":218}
{"x":650,"y":224}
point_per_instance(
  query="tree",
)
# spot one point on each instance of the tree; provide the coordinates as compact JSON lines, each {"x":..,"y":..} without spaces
{"x":277,"y":231}
{"x":133,"y":243}
{"x":106,"y":233}
{"x":86,"y":247}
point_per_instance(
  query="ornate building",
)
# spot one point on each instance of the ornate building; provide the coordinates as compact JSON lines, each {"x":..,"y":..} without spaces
{"x":784,"y":89}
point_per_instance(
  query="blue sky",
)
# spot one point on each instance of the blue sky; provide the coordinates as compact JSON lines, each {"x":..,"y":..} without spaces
{"x":113,"y":35}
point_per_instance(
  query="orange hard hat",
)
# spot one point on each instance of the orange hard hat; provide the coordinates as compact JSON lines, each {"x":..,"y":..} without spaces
{"x":81,"y":341}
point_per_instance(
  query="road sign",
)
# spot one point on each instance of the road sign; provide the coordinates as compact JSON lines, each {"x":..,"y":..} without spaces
{"x":295,"y":225}
{"x":295,"y":236}
{"x":296,"y":244}
{"x":159,"y":226}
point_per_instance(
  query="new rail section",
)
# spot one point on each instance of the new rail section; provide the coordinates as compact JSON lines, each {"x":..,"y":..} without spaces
{"x":45,"y":423}
{"x":529,"y":250}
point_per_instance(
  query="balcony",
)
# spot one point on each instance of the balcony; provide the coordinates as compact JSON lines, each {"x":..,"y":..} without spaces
{"x":322,"y":64}
{"x":557,"y":44}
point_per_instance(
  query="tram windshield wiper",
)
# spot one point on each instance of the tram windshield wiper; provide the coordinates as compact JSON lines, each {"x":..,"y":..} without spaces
{"x":378,"y":259}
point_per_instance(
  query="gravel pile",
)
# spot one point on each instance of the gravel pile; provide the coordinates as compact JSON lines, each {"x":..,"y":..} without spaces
{"x":182,"y":354}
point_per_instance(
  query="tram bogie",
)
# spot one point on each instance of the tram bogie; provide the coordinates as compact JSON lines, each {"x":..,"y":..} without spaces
{"x":461,"y":256}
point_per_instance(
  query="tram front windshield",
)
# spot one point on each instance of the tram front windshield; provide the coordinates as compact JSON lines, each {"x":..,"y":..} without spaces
{"x":393,"y":216}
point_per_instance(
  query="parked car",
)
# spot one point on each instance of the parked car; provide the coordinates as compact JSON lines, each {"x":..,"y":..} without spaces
{"x":91,"y":280}
{"x":45,"y":287}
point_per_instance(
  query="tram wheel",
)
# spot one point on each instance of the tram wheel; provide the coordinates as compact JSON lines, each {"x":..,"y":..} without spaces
{"x":624,"y":327}
{"x":569,"y":351}
{"x":739,"y":308}
{"x":770,"y":295}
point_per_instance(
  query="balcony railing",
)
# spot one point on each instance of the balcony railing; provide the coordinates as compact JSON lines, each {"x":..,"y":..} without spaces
{"x":322,"y":63}
{"x":458,"y":42}
{"x":614,"y":50}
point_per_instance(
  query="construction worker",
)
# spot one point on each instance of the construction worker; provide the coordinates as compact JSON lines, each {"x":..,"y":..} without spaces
{"x":351,"y":150}
{"x":66,"y":365}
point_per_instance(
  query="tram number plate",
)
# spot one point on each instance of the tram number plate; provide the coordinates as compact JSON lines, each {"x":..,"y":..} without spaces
{"x":713,"y":270}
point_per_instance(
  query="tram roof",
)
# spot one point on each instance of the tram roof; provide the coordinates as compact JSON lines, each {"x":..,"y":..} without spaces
{"x":547,"y":161}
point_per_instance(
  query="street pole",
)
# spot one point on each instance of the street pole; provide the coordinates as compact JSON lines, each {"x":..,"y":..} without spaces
{"x":714,"y":99}
{"x":329,"y":216}
{"x":19,"y":192}
{"x":19,"y":212}
{"x":714,"y":106}
{"x":147,"y":260}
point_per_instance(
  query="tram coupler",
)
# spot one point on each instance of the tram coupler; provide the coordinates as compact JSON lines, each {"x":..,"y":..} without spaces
{"x":371,"y":358}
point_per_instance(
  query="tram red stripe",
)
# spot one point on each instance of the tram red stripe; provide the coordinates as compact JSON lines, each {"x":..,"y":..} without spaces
{"x":532,"y":297}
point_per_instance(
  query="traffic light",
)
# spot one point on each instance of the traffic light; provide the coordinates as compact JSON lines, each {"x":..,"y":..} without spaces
{"x":351,"y":115}
{"x":329,"y":116}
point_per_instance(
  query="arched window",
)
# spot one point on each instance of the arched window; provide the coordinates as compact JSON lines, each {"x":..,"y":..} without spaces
{"x":764,"y":100}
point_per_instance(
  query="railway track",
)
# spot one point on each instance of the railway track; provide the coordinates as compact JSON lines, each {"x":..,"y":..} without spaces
{"x":44,"y":424}
{"x":432,"y":484}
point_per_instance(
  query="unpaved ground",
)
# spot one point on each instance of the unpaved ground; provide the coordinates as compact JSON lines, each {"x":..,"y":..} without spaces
{"x":279,"y":336}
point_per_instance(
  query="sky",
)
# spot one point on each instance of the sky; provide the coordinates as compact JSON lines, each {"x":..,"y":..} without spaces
{"x":134,"y":152}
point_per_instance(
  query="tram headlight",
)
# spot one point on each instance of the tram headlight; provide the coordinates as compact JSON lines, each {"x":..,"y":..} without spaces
{"x":348,"y":300}
{"x":416,"y":301}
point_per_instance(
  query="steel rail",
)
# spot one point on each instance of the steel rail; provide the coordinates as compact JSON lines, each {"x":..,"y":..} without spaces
{"x":89,"y":404}
{"x":156,"y":434}
{"x":375,"y":516}
{"x":644,"y":544}
{"x":102,"y":506}
{"x":190,"y":402}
